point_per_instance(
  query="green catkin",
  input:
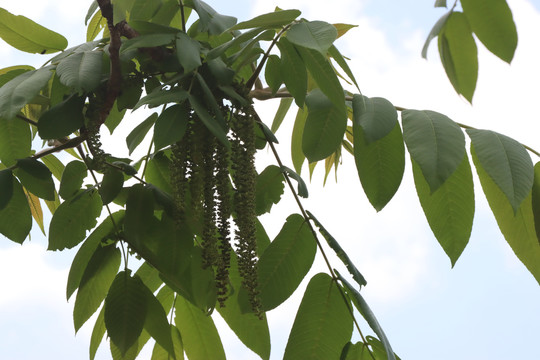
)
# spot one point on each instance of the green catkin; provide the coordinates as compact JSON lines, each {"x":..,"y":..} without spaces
{"x":243,"y":152}
{"x":223,"y":215}
{"x":209,"y":236}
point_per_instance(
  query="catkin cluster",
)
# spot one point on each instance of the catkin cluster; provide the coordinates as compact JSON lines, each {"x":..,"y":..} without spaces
{"x":217,"y":184}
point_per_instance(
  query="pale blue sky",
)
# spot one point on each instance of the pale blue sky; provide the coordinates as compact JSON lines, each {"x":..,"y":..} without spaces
{"x":484,"y":308}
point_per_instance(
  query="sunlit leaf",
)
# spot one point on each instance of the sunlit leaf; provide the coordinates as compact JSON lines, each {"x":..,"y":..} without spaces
{"x":159,"y":353}
{"x":81,"y":71}
{"x":156,"y":322}
{"x":435,"y":32}
{"x":297,"y":154}
{"x":285,"y":262}
{"x":324,"y":128}
{"x":73,"y":218}
{"x":435,"y":142}
{"x":316,"y":35}
{"x":517,"y":226}
{"x":450,"y":209}
{"x":284,"y":106}
{"x":26,"y":35}
{"x":97,"y":334}
{"x":323,"y":323}
{"x":16,"y":217}
{"x":144,"y":9}
{"x":125,"y":310}
{"x":459,"y":54}
{"x":199,"y":334}
{"x":507,"y":163}
{"x":54,"y":165}
{"x":493,"y":24}
{"x":95,"y":282}
{"x":275,"y":20}
{"x":18,"y":92}
{"x":96,"y":25}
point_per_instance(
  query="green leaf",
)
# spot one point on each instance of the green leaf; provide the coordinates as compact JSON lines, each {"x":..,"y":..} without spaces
{"x":273,"y":20}
{"x":535,"y":199}
{"x":144,"y":9}
{"x":507,"y":163}
{"x":81,"y":71}
{"x":450,"y":209}
{"x":435,"y":142}
{"x":341,"y":254}
{"x":251,"y":330}
{"x":111,"y":185}
{"x":158,"y":172}
{"x":35,"y":208}
{"x":272,"y":73}
{"x":91,"y":10}
{"x":459,"y":54}
{"x":18,"y":92}
{"x":356,"y":351}
{"x":188,"y":52}
{"x":157,"y":324}
{"x":268,"y":189}
{"x":96,"y":25}
{"x":284,"y":106}
{"x":440,"y":3}
{"x":380,"y":165}
{"x":199,"y":334}
{"x":6,"y":187}
{"x":16,"y":217}
{"x":159,"y":97}
{"x":160,"y":353}
{"x":493,"y":24}
{"x":36,"y":178}
{"x":15,"y":140}
{"x":139,"y":214}
{"x":209,"y":121}
{"x":26,"y":35}
{"x":324,"y":128}
{"x":137,"y":135}
{"x":316,"y":35}
{"x":125,"y":310}
{"x":435,"y":32}
{"x":114,"y":118}
{"x":72,"y":179}
{"x":147,"y":41}
{"x":285,"y":262}
{"x":97,"y":334}
{"x":95,"y":282}
{"x":368,"y":315}
{"x":72,"y":219}
{"x":80,"y":262}
{"x":517,"y":226}
{"x":297,"y":154}
{"x":324,"y":75}
{"x":171,"y":126}
{"x":293,"y":71}
{"x":302,"y":188}
{"x":209,"y":20}
{"x":376,"y":116}
{"x":323,"y":323}
{"x":130,"y":95}
{"x":62,"y":119}
{"x":55,"y":165}
{"x":336,"y":55}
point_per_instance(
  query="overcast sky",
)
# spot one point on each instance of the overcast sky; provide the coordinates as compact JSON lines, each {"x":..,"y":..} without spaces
{"x":484,"y":308}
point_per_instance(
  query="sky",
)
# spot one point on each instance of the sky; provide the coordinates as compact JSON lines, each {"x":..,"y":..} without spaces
{"x":486,"y":307}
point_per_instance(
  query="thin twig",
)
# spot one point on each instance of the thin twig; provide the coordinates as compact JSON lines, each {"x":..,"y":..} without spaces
{"x":24,"y":118}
